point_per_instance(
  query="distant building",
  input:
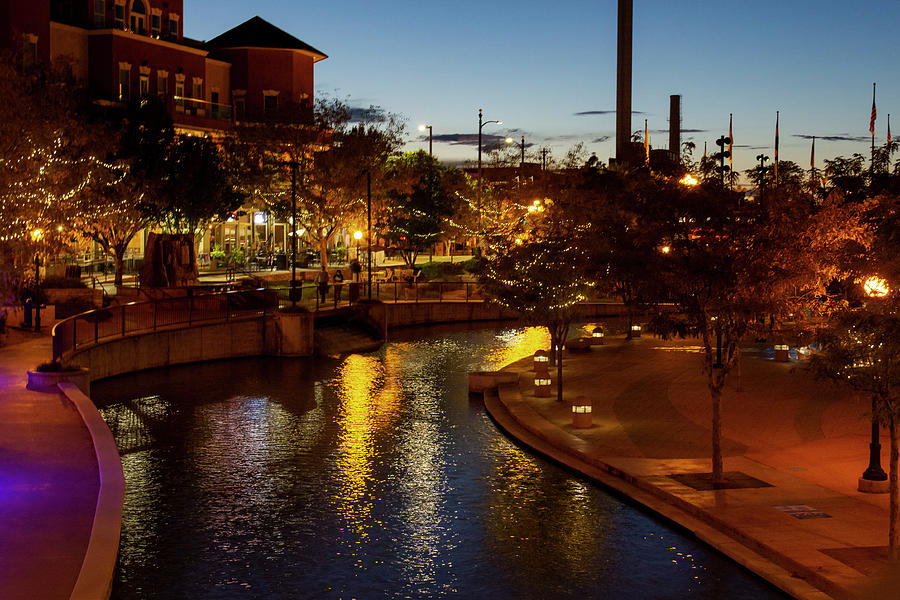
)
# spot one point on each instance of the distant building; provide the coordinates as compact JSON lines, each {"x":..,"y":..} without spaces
{"x":123,"y":50}
{"x":127,"y":49}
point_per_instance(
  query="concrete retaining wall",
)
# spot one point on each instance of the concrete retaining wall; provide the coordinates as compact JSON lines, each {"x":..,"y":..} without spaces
{"x":422,"y":313}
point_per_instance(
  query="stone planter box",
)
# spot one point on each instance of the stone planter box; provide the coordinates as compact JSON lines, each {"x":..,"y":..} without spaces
{"x":46,"y":381}
{"x":62,"y":295}
{"x":482,"y":381}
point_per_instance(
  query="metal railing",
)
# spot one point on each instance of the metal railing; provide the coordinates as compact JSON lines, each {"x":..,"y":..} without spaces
{"x":105,"y":324}
{"x":350,"y":293}
{"x":202,"y":108}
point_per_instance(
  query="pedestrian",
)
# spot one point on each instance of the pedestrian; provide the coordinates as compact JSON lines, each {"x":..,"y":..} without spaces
{"x":338,"y":285}
{"x":322,"y":282}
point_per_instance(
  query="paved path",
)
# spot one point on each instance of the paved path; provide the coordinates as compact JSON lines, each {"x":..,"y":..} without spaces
{"x":48,"y":482}
{"x":805,"y":440}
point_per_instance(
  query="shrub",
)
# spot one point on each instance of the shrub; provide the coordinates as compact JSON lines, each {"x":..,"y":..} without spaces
{"x":54,"y":366}
{"x":440,"y":271}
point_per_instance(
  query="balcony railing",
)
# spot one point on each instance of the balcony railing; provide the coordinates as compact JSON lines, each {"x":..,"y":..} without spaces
{"x":202,"y":108}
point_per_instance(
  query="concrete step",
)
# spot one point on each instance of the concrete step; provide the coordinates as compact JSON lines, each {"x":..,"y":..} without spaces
{"x":344,"y":339}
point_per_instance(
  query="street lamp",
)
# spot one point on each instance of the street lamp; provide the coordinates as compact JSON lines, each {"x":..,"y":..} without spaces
{"x":357,"y":235}
{"x":430,"y":136}
{"x":481,"y":124}
{"x":293,"y":293}
{"x":875,"y":287}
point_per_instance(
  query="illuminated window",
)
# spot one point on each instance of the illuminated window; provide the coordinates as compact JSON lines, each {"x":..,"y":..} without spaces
{"x":124,"y":81}
{"x":138,"y":15}
{"x":99,"y":13}
{"x":145,"y":82}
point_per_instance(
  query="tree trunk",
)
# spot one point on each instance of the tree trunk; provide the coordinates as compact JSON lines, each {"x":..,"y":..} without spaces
{"x":717,"y":468}
{"x":630,"y":322}
{"x":120,"y":264}
{"x":894,"y":542}
{"x":554,"y":338}
{"x":559,"y":379}
{"x":323,"y":251}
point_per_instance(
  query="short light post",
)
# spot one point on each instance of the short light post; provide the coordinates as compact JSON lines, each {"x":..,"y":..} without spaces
{"x":597,"y":336}
{"x":541,"y":359}
{"x":781,"y":352}
{"x":636,"y":331}
{"x":542,"y":382}
{"x":357,"y":235}
{"x":430,"y":137}
{"x":582,"y":413}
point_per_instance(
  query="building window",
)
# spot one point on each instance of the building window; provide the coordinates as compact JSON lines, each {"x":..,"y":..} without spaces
{"x":214,"y":104}
{"x":162,"y":85}
{"x":124,"y":81}
{"x":179,"y":93}
{"x":240,"y":107}
{"x":29,"y":50}
{"x":119,"y":14}
{"x":145,"y":85}
{"x":173,"y":26}
{"x":198,"y":89}
{"x":155,"y":21}
{"x":270,"y":102}
{"x":99,"y":13}
{"x":138,"y":14}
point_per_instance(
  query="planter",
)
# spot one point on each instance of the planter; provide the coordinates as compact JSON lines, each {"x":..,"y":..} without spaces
{"x":47,"y":381}
{"x":482,"y":381}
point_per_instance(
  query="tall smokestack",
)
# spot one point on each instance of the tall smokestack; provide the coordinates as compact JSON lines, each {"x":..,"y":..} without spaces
{"x":675,"y":125}
{"x":623,"y":83}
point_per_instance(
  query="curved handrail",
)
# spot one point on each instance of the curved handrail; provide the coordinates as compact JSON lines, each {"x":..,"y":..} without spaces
{"x":89,"y":328}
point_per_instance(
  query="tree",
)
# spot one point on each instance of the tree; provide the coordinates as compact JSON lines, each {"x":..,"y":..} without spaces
{"x":422,"y":195}
{"x":862,"y":349}
{"x":543,"y":280}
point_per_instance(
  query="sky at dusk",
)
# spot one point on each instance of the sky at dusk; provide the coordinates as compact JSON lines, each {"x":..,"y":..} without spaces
{"x":539,"y":66}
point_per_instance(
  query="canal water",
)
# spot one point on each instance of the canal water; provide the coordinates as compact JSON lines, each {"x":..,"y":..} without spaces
{"x":373,"y":476}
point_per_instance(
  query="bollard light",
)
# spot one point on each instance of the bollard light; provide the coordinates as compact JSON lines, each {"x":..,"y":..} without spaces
{"x":635,"y":331}
{"x":781,"y":352}
{"x":541,"y":357}
{"x":597,"y":336}
{"x":542,"y":382}
{"x":582,"y":414}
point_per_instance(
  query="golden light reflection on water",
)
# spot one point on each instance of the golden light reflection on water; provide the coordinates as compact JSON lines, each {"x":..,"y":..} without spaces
{"x":518,"y":344}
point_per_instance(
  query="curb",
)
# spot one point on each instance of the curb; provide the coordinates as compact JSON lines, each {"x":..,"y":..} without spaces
{"x":96,"y":576}
{"x":517,"y":419}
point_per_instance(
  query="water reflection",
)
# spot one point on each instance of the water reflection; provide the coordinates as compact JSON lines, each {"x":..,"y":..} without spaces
{"x":373,"y":476}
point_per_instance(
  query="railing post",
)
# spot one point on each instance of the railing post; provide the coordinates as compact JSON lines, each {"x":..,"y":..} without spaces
{"x":467,"y":291}
{"x":190,"y":310}
{"x":227,"y":306}
{"x":416,"y":284}
{"x":396,"y":289}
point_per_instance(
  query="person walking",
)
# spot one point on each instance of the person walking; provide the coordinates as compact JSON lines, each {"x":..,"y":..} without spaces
{"x":322,"y":283}
{"x":338,"y":285}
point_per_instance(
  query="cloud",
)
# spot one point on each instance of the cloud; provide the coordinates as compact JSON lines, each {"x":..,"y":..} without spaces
{"x":601,"y":139}
{"x":840,"y":137}
{"x":470,"y":139}
{"x":588,"y":113}
{"x":694,"y":130}
{"x":370,"y":114}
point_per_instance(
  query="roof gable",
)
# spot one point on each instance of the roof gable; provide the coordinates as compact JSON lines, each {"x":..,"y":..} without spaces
{"x":259,"y":33}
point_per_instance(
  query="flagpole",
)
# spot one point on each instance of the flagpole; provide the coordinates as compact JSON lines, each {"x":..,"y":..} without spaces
{"x":872,"y":131}
{"x":730,"y":154}
{"x":777,"y":116}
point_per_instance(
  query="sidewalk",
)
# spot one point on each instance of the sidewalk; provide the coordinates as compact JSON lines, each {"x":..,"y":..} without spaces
{"x":48,"y":482}
{"x":796,"y":445}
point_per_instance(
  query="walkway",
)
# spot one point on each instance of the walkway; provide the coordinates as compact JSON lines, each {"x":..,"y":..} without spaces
{"x":48,"y":482}
{"x":795,"y":444}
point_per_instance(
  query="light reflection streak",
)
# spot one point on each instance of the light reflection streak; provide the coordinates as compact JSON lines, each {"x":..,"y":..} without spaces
{"x":518,"y":344}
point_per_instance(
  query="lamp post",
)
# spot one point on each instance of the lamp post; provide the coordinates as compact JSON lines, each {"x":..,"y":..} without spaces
{"x":481,"y":124}
{"x":430,"y":136}
{"x":875,"y":287}
{"x":369,"y":227}
{"x":293,"y":294}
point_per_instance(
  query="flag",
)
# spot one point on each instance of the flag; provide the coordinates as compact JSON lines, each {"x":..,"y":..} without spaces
{"x":889,"y":129}
{"x":704,"y":149}
{"x":731,"y":143}
{"x":646,"y":142}
{"x":812,"y":155}
{"x":874,"y":113}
